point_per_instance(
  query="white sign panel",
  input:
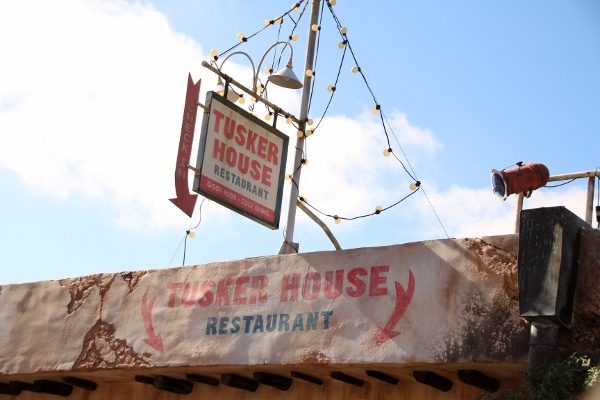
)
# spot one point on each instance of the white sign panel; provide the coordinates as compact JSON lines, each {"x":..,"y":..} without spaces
{"x":242,"y":162}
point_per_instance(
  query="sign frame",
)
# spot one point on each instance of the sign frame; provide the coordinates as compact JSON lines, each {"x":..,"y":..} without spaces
{"x":224,"y":183}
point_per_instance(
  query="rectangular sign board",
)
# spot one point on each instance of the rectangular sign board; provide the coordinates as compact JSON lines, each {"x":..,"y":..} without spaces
{"x":242,"y":162}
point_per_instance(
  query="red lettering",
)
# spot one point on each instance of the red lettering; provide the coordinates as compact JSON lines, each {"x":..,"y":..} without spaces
{"x":239,"y":138}
{"x":223,"y":292}
{"x":229,"y":128}
{"x":339,"y":282}
{"x":255,"y":170}
{"x":266,"y":176}
{"x":262,"y":147}
{"x":359,"y":286}
{"x":292,"y":286}
{"x":173,"y":288}
{"x":207,"y":295}
{"x":312,"y":285}
{"x":376,"y":281}
{"x":218,"y":118}
{"x":230,"y":156}
{"x":219,"y":150}
{"x":252,"y":136}
{"x":239,"y":293}
{"x":259,"y":284}
{"x":188,"y":299}
{"x":273,"y":154}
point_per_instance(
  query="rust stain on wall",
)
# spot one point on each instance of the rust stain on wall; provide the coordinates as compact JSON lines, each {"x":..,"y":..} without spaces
{"x":101,"y":349}
{"x":81,"y":288}
{"x":314,"y":357}
{"x":498,"y":260}
{"x":487,"y":325}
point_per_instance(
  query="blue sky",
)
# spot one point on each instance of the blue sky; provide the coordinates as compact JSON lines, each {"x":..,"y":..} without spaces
{"x":91,"y":98}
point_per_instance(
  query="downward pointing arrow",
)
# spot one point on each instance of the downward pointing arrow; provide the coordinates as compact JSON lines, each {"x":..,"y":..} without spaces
{"x":153,"y":339}
{"x":186,"y":201}
{"x":403,"y":299}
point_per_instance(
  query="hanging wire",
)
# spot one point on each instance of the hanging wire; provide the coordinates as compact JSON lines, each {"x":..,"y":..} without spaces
{"x":277,"y":57}
{"x":187,"y":232}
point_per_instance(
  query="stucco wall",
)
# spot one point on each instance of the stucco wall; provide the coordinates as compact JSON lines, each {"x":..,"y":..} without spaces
{"x":439,"y":305}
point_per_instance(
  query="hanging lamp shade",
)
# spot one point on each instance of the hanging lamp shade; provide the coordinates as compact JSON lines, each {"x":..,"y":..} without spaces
{"x":232,"y":96}
{"x":286,"y":78}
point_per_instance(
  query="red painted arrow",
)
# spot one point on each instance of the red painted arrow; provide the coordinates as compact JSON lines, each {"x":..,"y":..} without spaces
{"x":153,"y":339}
{"x":186,"y":201}
{"x":403,"y":299}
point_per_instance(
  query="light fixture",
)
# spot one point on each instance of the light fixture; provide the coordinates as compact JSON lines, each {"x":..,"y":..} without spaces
{"x":524,"y":178}
{"x":232,"y":96}
{"x":286,"y":78}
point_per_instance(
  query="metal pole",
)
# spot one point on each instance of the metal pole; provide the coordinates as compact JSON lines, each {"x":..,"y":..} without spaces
{"x":519,"y":209}
{"x":589,"y":205}
{"x":288,"y":246}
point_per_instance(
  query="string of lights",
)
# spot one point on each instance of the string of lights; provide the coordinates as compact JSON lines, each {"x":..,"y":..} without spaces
{"x":307,"y":129}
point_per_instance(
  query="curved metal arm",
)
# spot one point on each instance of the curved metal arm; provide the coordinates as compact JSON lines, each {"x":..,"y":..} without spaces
{"x":244,"y":54}
{"x":265,"y":55}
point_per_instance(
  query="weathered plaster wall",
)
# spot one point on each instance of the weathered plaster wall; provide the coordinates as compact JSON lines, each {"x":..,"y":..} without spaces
{"x":438,"y":306}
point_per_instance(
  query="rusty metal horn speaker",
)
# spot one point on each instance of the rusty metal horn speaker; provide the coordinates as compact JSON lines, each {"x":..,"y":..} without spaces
{"x":524,"y":178}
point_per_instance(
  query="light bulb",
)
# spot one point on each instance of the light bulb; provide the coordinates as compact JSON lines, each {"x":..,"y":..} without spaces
{"x":269,"y":22}
{"x":296,"y":7}
{"x":191,"y":234}
{"x":295,"y":37}
{"x":309,"y":122}
{"x":413,"y":186}
{"x":288,"y":120}
{"x":314,"y":27}
{"x":269,"y":70}
{"x":214,"y":52}
{"x":304,"y":161}
{"x":387,"y":152}
{"x":341,"y":45}
{"x":268,"y":117}
{"x":355,"y":69}
{"x":241,"y":100}
{"x":309,"y":132}
{"x":376,"y":109}
{"x":337,"y":219}
{"x":331,"y":88}
{"x":240,"y":36}
{"x":279,"y":21}
{"x":309,"y":73}
{"x":303,"y":200}
{"x":253,"y":99}
{"x":288,"y":176}
{"x":300,"y":134}
{"x":378,"y":209}
{"x":332,"y":2}
{"x":344,"y":30}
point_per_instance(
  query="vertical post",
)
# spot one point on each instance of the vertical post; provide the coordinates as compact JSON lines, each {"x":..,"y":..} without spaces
{"x":288,"y":246}
{"x":519,"y":208}
{"x":589,"y":205}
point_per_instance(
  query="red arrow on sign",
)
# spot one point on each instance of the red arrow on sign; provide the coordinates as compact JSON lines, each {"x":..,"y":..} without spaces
{"x":153,"y":339}
{"x":403,"y":299}
{"x":186,"y":201}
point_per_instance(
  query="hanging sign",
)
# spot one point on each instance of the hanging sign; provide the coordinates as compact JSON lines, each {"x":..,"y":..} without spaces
{"x":241,"y":162}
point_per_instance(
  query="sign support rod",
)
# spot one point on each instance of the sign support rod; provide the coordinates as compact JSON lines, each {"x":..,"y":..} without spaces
{"x":288,"y":246}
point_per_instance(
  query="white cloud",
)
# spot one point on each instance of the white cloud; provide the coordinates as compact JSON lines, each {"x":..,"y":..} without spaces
{"x":91,"y":104}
